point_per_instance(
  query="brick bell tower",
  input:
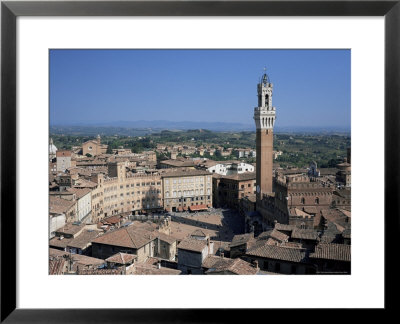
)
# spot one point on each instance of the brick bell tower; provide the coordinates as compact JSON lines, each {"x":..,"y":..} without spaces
{"x":264,"y":117}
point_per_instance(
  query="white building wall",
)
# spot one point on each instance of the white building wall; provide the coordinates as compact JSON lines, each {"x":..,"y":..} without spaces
{"x":56,"y":222}
{"x":231,"y":168}
{"x":84,"y":206}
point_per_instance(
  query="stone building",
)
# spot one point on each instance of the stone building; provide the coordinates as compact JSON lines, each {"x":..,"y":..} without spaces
{"x":59,"y":205}
{"x":301,"y":192}
{"x":242,"y":152}
{"x":343,"y":176}
{"x":229,"y":190}
{"x":332,"y":258}
{"x":135,"y":240}
{"x":94,"y":147}
{"x":225,"y":167}
{"x":342,"y":198}
{"x":64,"y":158}
{"x":280,"y":259}
{"x":56,"y":220}
{"x":186,"y":188}
{"x":192,"y":252}
{"x":97,"y":199}
{"x":84,"y":202}
{"x":219,"y":265}
{"x":240,"y":244}
{"x":177,"y":163}
{"x":125,"y":192}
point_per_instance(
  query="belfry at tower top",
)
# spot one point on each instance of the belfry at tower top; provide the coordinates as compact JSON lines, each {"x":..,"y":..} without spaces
{"x":265,"y":78}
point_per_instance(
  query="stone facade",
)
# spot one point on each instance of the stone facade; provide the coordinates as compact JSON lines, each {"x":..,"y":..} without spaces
{"x":230,"y":168}
{"x":301,"y":192}
{"x":229,"y":190}
{"x":104,"y":251}
{"x":184,"y":188}
{"x":63,"y":160}
{"x":124,"y":192}
{"x":94,"y":147}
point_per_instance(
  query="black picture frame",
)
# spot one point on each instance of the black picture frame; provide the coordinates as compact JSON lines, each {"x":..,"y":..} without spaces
{"x":10,"y":10}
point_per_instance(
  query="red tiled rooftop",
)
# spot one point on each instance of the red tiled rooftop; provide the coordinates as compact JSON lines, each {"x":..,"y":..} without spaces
{"x":130,"y":237}
{"x":332,"y":251}
{"x":191,"y":244}
{"x":122,"y":258}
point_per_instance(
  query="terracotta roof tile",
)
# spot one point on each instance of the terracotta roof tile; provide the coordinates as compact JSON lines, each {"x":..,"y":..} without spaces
{"x":192,"y":245}
{"x":59,"y":205}
{"x":165,"y":237}
{"x":150,"y":269}
{"x":242,"y":176}
{"x":60,"y":242}
{"x":198,"y":232}
{"x":184,"y":173}
{"x":92,"y":272}
{"x":332,"y":251}
{"x":57,"y":253}
{"x":284,"y":227}
{"x":79,"y":192}
{"x":122,"y":258}
{"x":56,"y":265}
{"x":305,"y":234}
{"x":278,"y":253}
{"x":275,"y":234}
{"x":81,"y":259}
{"x":130,"y":237}
{"x":241,"y":239}
{"x":70,"y":229}
{"x":84,"y":239}
{"x":216,"y":264}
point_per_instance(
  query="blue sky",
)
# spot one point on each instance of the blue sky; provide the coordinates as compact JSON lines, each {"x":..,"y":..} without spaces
{"x":311,"y":87}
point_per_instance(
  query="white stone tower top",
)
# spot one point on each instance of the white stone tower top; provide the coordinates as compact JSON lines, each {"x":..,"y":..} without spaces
{"x":264,"y":114}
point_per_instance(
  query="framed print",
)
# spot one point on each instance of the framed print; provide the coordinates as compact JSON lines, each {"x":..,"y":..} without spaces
{"x":39,"y":38}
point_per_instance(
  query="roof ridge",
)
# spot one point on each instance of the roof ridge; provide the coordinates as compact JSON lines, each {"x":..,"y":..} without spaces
{"x":130,"y":237}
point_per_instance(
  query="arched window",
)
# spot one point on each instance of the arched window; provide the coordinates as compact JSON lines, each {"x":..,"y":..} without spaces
{"x":317,"y":201}
{"x":303,"y":201}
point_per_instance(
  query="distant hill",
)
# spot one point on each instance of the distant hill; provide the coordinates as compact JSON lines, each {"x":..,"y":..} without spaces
{"x":143,"y":127}
{"x":164,"y":124}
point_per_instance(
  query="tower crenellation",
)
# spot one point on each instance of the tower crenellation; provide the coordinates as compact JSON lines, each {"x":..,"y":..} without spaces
{"x":265,"y":113}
